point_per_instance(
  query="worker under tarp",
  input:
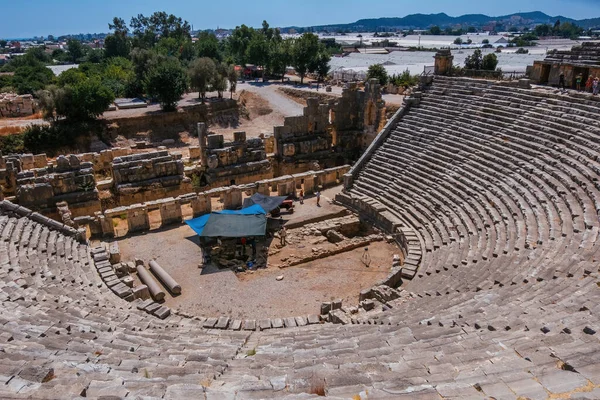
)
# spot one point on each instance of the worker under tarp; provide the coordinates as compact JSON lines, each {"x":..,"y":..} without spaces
{"x":268,"y":203}
{"x":200,"y":224}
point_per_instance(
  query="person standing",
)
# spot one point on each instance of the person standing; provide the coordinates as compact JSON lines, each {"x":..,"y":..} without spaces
{"x":589,"y":83}
{"x":595,"y":87}
{"x":243,"y":246}
{"x":578,"y":80}
{"x":282,"y":235}
{"x":301,"y":197}
{"x":561,"y":81}
{"x":318,"y":198}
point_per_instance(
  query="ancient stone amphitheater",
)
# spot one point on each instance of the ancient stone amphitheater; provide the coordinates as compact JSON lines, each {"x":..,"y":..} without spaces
{"x":498,"y":183}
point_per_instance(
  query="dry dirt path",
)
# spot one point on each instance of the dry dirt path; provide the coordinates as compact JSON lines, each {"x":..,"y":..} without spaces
{"x":279,"y":102}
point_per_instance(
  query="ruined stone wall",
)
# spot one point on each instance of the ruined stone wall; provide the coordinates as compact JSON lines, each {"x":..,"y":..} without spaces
{"x":101,"y":223}
{"x":148,"y":176}
{"x":330,"y":134}
{"x":161,"y":125}
{"x":14,"y":106}
{"x":69,"y":180}
{"x":224,"y":163}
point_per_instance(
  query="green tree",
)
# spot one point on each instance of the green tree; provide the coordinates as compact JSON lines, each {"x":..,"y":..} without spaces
{"x":81,"y":99}
{"x":118,"y":75}
{"x":378,"y":71}
{"x":5,"y":82}
{"x":258,"y":51}
{"x":147,"y":30}
{"x":89,"y":99}
{"x":322,"y":64}
{"x":485,"y":41}
{"x":166,"y":82}
{"x":543,"y":30}
{"x":305,"y":51}
{"x":208,"y":46}
{"x":458,"y":41}
{"x":489,"y":62}
{"x":117,"y":44}
{"x":232,"y":77}
{"x":435,"y":30}
{"x":143,"y":60}
{"x":71,"y":76}
{"x":474,"y":61}
{"x":238,"y":43}
{"x":60,"y":55}
{"x":202,"y":73}
{"x":30,"y":78}
{"x":94,"y":56}
{"x":220,"y":79}
{"x":281,"y":57}
{"x":3,"y":43}
{"x":75,"y":49}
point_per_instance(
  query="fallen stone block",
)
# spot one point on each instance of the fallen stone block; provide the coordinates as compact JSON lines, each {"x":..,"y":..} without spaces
{"x":162,"y":312}
{"x":210,"y":323}
{"x":222,"y":323}
{"x":141,"y":292}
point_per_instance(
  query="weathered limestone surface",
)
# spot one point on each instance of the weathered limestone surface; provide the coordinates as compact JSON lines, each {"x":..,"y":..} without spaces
{"x":14,"y":106}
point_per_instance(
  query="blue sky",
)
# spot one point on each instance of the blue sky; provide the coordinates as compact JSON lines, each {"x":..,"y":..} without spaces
{"x":27,"y":18}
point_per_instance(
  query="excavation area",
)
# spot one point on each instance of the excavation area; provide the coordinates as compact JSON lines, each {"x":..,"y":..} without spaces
{"x":323,"y":259}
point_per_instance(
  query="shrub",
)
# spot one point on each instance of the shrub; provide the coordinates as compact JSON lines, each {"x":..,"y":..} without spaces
{"x":405,"y":79}
{"x":12,"y":144}
{"x":490,"y":62}
{"x":378,"y":71}
{"x":62,"y":134}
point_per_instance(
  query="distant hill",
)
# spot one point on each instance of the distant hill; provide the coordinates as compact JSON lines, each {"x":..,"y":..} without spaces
{"x":425,"y":21}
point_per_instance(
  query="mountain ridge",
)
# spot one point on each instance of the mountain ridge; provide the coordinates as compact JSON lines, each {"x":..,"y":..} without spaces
{"x":443,"y":20}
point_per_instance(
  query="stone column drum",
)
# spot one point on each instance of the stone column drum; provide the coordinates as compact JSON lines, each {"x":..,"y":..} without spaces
{"x":153,"y":287}
{"x":164,"y":277}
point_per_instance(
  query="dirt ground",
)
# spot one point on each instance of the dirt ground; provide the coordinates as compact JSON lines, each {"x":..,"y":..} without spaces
{"x":211,"y":292}
{"x":257,"y":294}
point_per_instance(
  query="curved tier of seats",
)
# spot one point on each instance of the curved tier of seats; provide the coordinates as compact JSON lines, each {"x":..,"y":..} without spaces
{"x":504,"y":304}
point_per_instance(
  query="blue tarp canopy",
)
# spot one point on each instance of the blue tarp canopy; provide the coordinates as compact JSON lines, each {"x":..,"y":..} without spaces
{"x":268,"y":203}
{"x":251,"y":221}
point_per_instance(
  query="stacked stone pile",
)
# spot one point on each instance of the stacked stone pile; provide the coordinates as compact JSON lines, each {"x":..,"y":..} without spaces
{"x":13,"y":105}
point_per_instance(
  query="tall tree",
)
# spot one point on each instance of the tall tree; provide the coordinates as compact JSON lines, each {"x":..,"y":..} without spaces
{"x":281,"y":57}
{"x":220,"y":79}
{"x":117,"y":44}
{"x":208,"y":46}
{"x":258,"y":51}
{"x":232,"y":77}
{"x":166,"y":82}
{"x":474,"y":61}
{"x":238,"y":43}
{"x":75,"y":49}
{"x":148,"y":30}
{"x":305,"y":51}
{"x":202,"y":72}
{"x":322,"y":63}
